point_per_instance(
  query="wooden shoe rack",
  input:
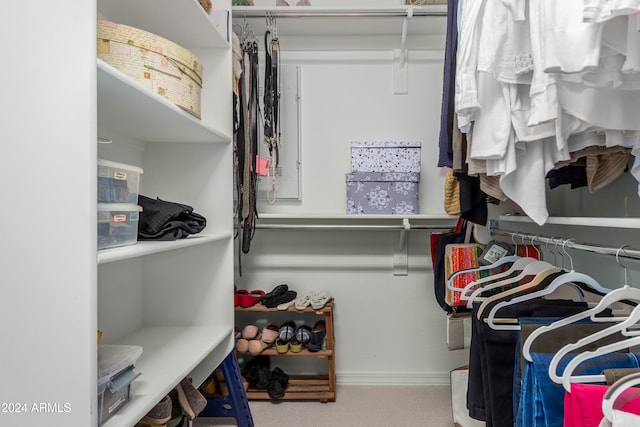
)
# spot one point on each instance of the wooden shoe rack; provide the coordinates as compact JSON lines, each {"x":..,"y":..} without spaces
{"x":303,"y":387}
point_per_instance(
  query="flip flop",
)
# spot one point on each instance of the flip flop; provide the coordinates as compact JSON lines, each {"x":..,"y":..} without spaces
{"x":303,"y":301}
{"x":320,"y":299}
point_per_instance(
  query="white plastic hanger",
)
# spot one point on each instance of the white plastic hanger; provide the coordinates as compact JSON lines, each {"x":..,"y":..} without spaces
{"x":567,"y":377}
{"x":479,"y":285}
{"x":534,"y":268}
{"x":539,"y":278}
{"x":633,"y":318}
{"x":475,"y":295}
{"x":566,"y":278}
{"x":621,"y":294}
{"x":616,"y":389}
{"x":519,"y":263}
{"x":498,"y":263}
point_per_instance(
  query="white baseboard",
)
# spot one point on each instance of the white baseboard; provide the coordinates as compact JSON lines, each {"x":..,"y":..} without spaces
{"x":393,"y":378}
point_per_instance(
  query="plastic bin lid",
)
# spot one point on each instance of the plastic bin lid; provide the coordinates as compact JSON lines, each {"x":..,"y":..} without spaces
{"x":118,"y":207}
{"x":116,"y":165}
{"x":114,"y":358}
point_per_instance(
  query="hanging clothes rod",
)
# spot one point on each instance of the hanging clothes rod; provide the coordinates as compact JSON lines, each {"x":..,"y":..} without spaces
{"x":284,"y":12}
{"x":326,"y":227}
{"x":625,"y":252}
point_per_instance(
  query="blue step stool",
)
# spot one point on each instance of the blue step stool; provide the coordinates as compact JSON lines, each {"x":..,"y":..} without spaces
{"x":236,"y":404}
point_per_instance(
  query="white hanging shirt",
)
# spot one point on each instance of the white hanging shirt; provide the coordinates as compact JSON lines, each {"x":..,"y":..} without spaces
{"x":466,"y":93}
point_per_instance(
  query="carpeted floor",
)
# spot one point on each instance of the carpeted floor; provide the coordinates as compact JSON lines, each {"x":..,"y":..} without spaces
{"x":356,"y":406}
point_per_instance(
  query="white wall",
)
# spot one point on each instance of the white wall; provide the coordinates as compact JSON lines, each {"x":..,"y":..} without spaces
{"x":388,"y":328}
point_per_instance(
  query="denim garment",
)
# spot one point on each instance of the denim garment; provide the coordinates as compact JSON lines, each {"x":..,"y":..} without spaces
{"x":496,"y":353}
{"x":554,"y":340}
{"x":542,"y":400}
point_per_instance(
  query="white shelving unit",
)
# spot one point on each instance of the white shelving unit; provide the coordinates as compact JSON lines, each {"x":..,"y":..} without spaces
{"x":607,"y":222}
{"x":171,"y":298}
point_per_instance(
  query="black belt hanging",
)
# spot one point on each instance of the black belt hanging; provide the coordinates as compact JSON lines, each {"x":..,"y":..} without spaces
{"x":271,"y":98}
{"x":246,"y":149}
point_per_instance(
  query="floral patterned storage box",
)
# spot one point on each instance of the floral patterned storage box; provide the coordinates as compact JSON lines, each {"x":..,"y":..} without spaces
{"x":394,"y":193}
{"x":385,"y":156}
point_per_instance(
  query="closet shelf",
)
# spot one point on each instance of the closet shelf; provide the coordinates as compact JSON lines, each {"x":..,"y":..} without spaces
{"x":612,"y":222}
{"x":206,"y":30}
{"x":143,"y":248}
{"x":140,"y":114}
{"x":300,"y":387}
{"x":169,"y":355}
{"x":304,"y":353}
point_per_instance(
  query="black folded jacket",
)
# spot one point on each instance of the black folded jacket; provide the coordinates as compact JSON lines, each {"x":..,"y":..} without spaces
{"x":162,"y":220}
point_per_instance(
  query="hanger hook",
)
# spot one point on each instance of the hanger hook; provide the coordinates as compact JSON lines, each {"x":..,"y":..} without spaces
{"x":546,"y":247}
{"x":556,"y":242}
{"x":524,"y":243}
{"x":626,"y":271}
{"x":533,"y":238}
{"x":567,"y":253}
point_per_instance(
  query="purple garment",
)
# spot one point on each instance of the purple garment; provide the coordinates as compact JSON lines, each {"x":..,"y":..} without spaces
{"x":445,"y":158}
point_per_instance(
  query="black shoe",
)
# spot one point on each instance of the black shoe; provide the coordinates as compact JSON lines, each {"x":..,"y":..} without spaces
{"x":278,"y":290}
{"x":279,"y":375}
{"x":264,"y":377}
{"x":287,"y":296}
{"x":287,"y":331}
{"x":317,"y":336}
{"x":279,"y":380}
{"x":252,"y":368}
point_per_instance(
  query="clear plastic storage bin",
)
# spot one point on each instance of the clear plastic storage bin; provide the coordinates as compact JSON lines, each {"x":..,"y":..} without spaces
{"x":118,"y":182}
{"x":116,"y":365}
{"x":117,"y":224}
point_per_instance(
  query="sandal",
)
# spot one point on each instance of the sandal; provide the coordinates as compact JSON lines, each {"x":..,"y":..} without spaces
{"x":242,"y":346}
{"x":257,"y":346}
{"x":320,"y":299}
{"x":295,"y":345}
{"x":270,"y":333}
{"x":303,"y":301}
{"x":250,"y":332}
{"x":282,"y":346}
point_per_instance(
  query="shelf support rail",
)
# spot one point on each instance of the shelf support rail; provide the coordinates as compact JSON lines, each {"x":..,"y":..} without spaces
{"x":626,"y":252}
{"x":401,"y":251}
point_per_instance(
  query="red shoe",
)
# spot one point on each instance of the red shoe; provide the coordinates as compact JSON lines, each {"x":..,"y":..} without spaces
{"x":251,"y":298}
{"x":237,"y":297}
